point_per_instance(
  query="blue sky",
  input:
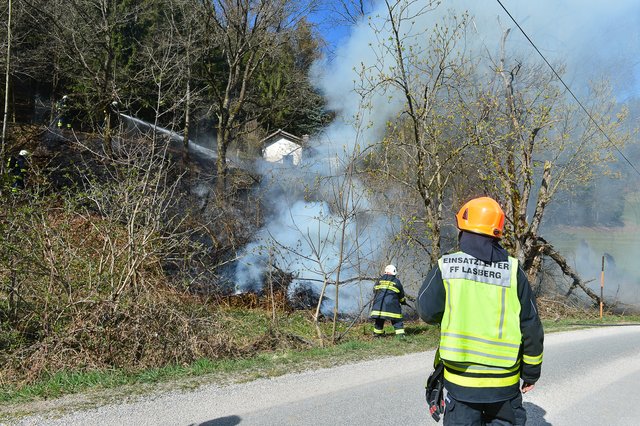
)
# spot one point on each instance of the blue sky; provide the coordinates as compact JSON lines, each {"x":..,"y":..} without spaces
{"x":595,"y":38}
{"x":327,"y":21}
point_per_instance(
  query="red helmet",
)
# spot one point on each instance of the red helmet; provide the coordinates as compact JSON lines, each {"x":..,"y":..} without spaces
{"x":483,"y":216}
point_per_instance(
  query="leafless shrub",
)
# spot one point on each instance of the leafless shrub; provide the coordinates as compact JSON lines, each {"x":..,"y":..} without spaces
{"x":83,"y":279}
{"x":557,"y":308}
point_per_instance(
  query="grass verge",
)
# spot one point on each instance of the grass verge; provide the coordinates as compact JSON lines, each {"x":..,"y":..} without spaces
{"x":357,"y":346}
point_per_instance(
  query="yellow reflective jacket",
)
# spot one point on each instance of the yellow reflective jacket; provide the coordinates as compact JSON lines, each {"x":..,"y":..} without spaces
{"x":481,"y":321}
{"x":491,"y":334}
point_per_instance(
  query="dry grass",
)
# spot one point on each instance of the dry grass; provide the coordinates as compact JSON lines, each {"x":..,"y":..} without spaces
{"x":82,"y":291}
{"x":557,"y":308}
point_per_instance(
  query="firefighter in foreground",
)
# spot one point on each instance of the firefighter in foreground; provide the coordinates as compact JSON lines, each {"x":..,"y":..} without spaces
{"x":491,"y":337}
{"x":387,"y":298}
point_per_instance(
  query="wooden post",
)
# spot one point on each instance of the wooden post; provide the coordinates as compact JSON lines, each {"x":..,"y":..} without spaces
{"x":602,"y":287}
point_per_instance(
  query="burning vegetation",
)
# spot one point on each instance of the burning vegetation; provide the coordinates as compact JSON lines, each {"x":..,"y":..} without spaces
{"x":118,"y":253}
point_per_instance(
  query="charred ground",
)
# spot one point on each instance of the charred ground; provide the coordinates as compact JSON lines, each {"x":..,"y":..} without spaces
{"x":116,"y":262}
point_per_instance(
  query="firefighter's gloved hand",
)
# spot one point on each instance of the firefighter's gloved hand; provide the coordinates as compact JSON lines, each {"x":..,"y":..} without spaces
{"x":436,"y":404}
{"x":435,"y":392}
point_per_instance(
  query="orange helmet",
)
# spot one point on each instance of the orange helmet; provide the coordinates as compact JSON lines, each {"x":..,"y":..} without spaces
{"x":483,"y":216}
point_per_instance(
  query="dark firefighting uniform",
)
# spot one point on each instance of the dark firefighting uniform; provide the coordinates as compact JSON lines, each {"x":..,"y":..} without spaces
{"x":17,"y":167}
{"x":64,"y":113}
{"x":491,"y":335}
{"x":387,"y":298}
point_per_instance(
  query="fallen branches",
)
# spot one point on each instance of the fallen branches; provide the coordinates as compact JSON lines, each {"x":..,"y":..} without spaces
{"x":548,"y":250}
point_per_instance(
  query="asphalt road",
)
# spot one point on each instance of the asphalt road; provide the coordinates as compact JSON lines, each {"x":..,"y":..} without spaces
{"x":588,"y":379}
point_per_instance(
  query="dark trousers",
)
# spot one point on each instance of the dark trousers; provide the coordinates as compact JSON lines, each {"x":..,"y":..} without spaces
{"x":503,"y":413}
{"x":18,"y":182}
{"x":378,"y":326}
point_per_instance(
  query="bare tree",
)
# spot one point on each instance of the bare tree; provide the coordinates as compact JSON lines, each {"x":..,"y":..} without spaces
{"x":515,"y":135}
{"x":5,"y":116}
{"x":186,"y":34}
{"x":423,"y":68}
{"x":533,"y":140}
{"x":93,"y":52}
{"x":328,"y":242}
{"x":242,"y":35}
{"x":350,"y":12}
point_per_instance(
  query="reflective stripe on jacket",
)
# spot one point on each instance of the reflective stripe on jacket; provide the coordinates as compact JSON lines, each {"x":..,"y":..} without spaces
{"x":480,"y":336}
{"x":481,"y":322}
{"x":478,"y":382}
{"x":388,"y":295}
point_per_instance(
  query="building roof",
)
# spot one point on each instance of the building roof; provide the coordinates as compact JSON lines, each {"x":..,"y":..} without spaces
{"x":281,"y":134}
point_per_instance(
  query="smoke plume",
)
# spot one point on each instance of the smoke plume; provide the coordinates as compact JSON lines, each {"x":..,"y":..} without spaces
{"x":593,"y":39}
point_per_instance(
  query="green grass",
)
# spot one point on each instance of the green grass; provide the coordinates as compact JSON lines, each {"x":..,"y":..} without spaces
{"x":358,"y":346}
{"x":581,"y":322}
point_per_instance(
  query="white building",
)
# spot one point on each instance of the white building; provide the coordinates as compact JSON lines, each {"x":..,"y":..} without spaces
{"x":282,"y":147}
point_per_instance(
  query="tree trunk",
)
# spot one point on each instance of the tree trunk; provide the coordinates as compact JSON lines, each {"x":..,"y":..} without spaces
{"x":108,"y":133}
{"x":532,"y":258}
{"x":221,"y":166}
{"x":6,"y":95}
{"x":185,"y":139}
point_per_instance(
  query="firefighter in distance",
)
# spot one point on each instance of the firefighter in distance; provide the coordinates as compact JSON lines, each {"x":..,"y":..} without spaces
{"x":17,"y":169}
{"x":387,"y":300}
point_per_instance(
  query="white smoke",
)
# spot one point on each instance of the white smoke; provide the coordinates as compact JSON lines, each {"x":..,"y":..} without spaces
{"x":314,"y":240}
{"x":593,"y":38}
{"x":194,"y":148}
{"x":602,"y":273}
{"x":588,"y":36}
